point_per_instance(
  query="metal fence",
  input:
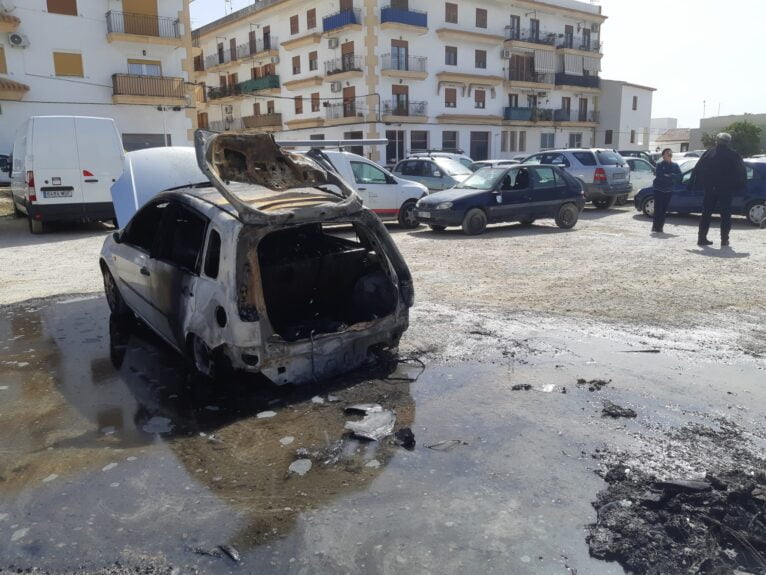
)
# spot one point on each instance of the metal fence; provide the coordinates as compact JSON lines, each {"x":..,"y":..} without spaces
{"x":346,"y":63}
{"x":398,"y":108}
{"x":410,"y":17}
{"x":524,"y":75}
{"x":408,"y":63}
{"x":531,"y":35}
{"x":157,"y":86}
{"x":351,"y":108}
{"x":142,"y":25}
{"x":581,"y":81}
{"x":340,"y":19}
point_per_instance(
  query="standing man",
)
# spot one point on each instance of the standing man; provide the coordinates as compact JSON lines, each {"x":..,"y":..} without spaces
{"x":667,"y":175}
{"x":722,"y":172}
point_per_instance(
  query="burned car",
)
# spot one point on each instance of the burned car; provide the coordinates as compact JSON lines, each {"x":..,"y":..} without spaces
{"x":271,"y":265}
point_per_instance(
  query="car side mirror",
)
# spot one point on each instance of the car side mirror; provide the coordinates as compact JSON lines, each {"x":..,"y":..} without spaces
{"x":117,"y":237}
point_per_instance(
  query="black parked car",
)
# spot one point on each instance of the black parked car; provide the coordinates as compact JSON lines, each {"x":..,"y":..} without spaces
{"x":517,"y":194}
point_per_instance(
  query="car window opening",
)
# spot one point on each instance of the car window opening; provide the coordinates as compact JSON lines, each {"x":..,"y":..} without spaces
{"x":319,"y":279}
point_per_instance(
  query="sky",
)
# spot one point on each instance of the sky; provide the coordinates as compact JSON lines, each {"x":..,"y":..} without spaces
{"x":702,"y":55}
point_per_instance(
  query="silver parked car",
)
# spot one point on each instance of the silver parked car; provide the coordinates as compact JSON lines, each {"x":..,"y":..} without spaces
{"x":641,"y":174}
{"x":605,"y":174}
{"x":435,"y":173}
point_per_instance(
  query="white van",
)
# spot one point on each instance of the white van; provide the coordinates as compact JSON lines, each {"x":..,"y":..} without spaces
{"x":62,"y":169}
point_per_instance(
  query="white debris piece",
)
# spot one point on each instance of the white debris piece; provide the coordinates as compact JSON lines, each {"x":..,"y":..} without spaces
{"x":285,"y":441}
{"x":109,"y":467}
{"x":317,"y":399}
{"x":51,"y":477}
{"x":300,"y":467}
{"x":19,"y":533}
{"x":364,"y":408}
{"x":158,"y":424}
{"x":265,"y":414}
{"x":374,"y":426}
{"x":373,"y":463}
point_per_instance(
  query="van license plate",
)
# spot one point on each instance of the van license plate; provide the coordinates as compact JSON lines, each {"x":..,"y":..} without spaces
{"x":424,"y":215}
{"x":58,"y":193}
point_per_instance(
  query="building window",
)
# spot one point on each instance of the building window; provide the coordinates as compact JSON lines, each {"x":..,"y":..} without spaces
{"x":311,"y":19}
{"x":67,"y":64}
{"x":481,"y":18}
{"x":3,"y":66}
{"x":316,"y":137}
{"x":450,"y":97}
{"x":296,"y":65}
{"x":298,"y":104}
{"x":294,"y":25}
{"x":450,"y":13}
{"x":256,"y":109}
{"x":504,"y":141}
{"x":575,"y":140}
{"x":479,"y":100}
{"x":313,"y":60}
{"x":418,"y":140}
{"x":513,"y":100}
{"x":450,"y":55}
{"x":449,"y":141}
{"x":401,"y":99}
{"x":481,"y":59}
{"x":632,"y":136}
{"x":635,"y":102}
{"x":522,"y":141}
{"x":144,"y":68}
{"x":608,"y":137}
{"x":512,"y":137}
{"x":66,"y":7}
{"x":270,"y":107}
{"x":534,"y":29}
{"x":546,"y":141}
{"x":315,"y":102}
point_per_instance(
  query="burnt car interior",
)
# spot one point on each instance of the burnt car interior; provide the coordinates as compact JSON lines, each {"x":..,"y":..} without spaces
{"x":320,"y":279}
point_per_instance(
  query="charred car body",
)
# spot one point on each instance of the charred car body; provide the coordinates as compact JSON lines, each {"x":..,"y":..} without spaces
{"x":257,"y":269}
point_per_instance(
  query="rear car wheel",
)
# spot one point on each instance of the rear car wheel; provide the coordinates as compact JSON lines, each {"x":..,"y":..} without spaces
{"x":567,"y":216}
{"x":113,"y":296}
{"x":407,"y":216}
{"x":756,"y":213}
{"x":474,"y":222}
{"x":436,"y":228}
{"x":604,"y":203}
{"x":35,"y":226}
{"x":648,"y":207}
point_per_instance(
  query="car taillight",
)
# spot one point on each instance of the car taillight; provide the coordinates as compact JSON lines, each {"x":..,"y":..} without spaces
{"x":87,"y":174}
{"x":600,"y":176}
{"x":31,"y":186}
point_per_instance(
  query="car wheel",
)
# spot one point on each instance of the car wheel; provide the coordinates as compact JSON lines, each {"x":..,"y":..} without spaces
{"x":474,"y":222}
{"x":621,"y":201}
{"x":648,"y":207}
{"x":567,"y":216}
{"x":407,"y":216}
{"x":117,"y":305}
{"x":35,"y":226}
{"x":527,"y":221}
{"x":756,"y":213}
{"x":437,"y":229}
{"x":202,"y":356}
{"x":604,"y":203}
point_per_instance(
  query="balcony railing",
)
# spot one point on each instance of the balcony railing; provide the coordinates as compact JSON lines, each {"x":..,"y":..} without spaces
{"x":153,"y":86}
{"x":524,"y":75}
{"x":580,"y":81}
{"x":409,"y":63}
{"x":226,"y":125}
{"x":142,"y":25}
{"x":352,"y":108}
{"x":397,"y":108}
{"x":578,"y":43}
{"x":347,"y":63}
{"x":246,"y":87}
{"x":400,"y":16}
{"x":242,"y":52}
{"x":530,"y":35}
{"x":218,"y":58}
{"x":340,"y":19}
{"x":262,"y":121}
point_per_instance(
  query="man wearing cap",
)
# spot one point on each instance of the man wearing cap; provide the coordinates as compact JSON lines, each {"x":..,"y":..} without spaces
{"x":722,"y":172}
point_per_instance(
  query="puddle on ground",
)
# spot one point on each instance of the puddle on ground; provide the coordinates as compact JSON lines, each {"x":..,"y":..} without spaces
{"x":112,"y":450}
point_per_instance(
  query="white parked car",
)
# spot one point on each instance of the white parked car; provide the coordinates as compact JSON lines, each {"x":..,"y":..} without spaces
{"x":641,"y":174}
{"x":247,"y":268}
{"x":462,"y":158}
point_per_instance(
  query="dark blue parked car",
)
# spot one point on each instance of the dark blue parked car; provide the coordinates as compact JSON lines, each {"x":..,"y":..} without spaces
{"x":505,"y":194}
{"x":750,"y":202}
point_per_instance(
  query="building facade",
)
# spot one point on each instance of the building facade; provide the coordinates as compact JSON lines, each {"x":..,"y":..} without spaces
{"x":490,"y":78}
{"x":130,"y":60}
{"x":626,"y":112}
{"x":720,"y":123}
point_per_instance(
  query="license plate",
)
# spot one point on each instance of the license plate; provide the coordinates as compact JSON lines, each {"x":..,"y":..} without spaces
{"x":58,"y":194}
{"x":619,"y":176}
{"x":424,"y":215}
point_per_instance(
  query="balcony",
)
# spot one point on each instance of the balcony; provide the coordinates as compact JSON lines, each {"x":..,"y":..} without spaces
{"x":220,"y":58}
{"x":226,"y":125}
{"x":348,"y":66}
{"x":8,"y":22}
{"x":515,"y":114}
{"x":414,"y":67}
{"x":397,"y":18}
{"x":579,"y":81}
{"x":143,"y":28}
{"x":263,"y":121}
{"x":579,"y":43}
{"x":134,"y":89}
{"x":530,"y":77}
{"x":530,"y":36}
{"x":243,"y":88}
{"x":334,"y":22}
{"x":350,"y":111}
{"x":417,"y":110}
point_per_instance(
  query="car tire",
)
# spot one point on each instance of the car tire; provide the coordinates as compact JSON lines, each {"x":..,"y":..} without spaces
{"x":407,"y":217}
{"x":527,"y":221}
{"x":437,"y":229}
{"x":604,"y":203}
{"x":35,"y":226}
{"x":474,"y":222}
{"x":621,"y":201}
{"x":202,"y":357}
{"x":647,"y":206}
{"x":117,"y":305}
{"x":756,"y":213}
{"x":567,"y":216}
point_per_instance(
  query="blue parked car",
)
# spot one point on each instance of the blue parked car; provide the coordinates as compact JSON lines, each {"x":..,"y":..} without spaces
{"x":750,"y":202}
{"x":505,"y":194}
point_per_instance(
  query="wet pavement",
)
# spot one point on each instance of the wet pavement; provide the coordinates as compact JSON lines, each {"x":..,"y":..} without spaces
{"x":112,"y":451}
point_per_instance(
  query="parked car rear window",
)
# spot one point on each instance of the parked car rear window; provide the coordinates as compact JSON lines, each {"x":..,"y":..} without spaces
{"x":182,"y":235}
{"x":412,"y":168}
{"x":544,"y":178}
{"x":451,"y":167}
{"x":585,"y":158}
{"x":606,"y":158}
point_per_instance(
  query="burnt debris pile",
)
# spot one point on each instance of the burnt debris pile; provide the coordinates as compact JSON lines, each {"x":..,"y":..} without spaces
{"x":712,"y":526}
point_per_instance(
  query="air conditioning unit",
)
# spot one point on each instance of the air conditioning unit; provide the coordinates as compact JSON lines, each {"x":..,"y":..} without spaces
{"x":275,"y":59}
{"x":17,"y":40}
{"x":228,"y":109}
{"x":506,"y":53}
{"x":336,"y":87}
{"x":332,"y":43}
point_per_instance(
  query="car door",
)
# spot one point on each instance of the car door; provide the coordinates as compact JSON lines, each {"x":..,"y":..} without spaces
{"x":174,"y":269}
{"x":546,"y":193}
{"x":516,"y":194}
{"x":685,"y":199}
{"x":741,"y":197}
{"x":641,"y":173}
{"x":131,"y":258}
{"x":381,"y":193}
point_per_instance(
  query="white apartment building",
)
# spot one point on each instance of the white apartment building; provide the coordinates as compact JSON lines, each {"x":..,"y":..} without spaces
{"x":130,"y":60}
{"x":626,"y":116}
{"x":495,"y":79}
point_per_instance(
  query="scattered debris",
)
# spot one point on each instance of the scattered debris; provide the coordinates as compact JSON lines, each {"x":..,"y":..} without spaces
{"x":109,"y":467}
{"x":50,"y":478}
{"x":206,"y":552}
{"x":265,"y":414}
{"x":405,"y":438}
{"x":641,"y":351}
{"x":158,"y":424}
{"x":375,"y":426}
{"x":364,"y":408}
{"x":333,"y":399}
{"x":19,"y":534}
{"x":548,"y":388}
{"x":613,"y":410}
{"x":318,"y":400}
{"x":448,"y":445}
{"x":373,"y":463}
{"x":300,"y":467}
{"x":231,"y":552}
{"x":594,"y":384}
{"x":285,"y":441}
{"x":521,"y":387}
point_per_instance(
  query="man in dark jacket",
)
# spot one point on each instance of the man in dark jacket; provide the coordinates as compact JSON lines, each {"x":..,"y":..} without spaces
{"x":722,"y":172}
{"x":667,"y":177}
